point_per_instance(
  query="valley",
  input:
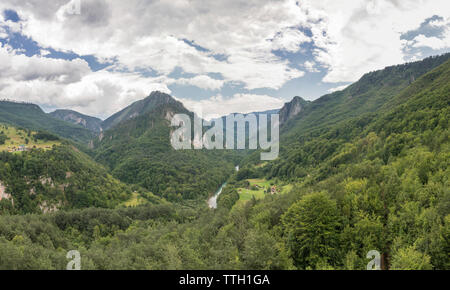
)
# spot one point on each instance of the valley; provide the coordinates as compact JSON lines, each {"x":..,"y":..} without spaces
{"x":361,"y":169}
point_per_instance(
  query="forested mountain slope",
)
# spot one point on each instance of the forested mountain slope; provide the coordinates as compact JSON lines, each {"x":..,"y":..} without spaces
{"x":375,"y":181}
{"x":62,"y":178}
{"x":138,"y":151}
{"x":332,"y":120}
{"x":31,"y":116}
{"x":367,"y":95}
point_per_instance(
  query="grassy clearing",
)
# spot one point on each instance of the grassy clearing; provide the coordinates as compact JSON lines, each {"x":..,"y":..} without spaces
{"x":135,"y":200}
{"x":261,"y":186}
{"x":18,"y":137}
{"x":261,"y":165}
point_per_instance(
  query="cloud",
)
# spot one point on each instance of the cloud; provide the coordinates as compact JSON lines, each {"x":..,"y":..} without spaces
{"x":152,"y":34}
{"x":264,"y":44}
{"x":3,"y":33}
{"x":310,"y":66}
{"x":353,"y":37}
{"x":204,"y":82}
{"x":337,"y":89}
{"x":22,"y":68}
{"x":431,"y":37}
{"x":432,"y":42}
{"x":71,"y":84}
{"x":290,"y":40}
{"x":219,"y":106}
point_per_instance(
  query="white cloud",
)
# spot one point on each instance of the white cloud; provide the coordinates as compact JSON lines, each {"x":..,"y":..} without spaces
{"x":290,"y":40}
{"x":310,"y":66}
{"x":3,"y":33}
{"x":202,"y":81}
{"x":432,"y":42}
{"x":219,"y":106}
{"x":355,"y":36}
{"x":22,"y":68}
{"x":151,"y":35}
{"x":350,"y":38}
{"x":337,"y":89}
{"x":71,"y":84}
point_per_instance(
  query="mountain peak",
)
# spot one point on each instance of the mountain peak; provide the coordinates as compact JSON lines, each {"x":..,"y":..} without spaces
{"x":292,"y":109}
{"x":159,"y":94}
{"x":299,"y":99}
{"x":156,"y":100}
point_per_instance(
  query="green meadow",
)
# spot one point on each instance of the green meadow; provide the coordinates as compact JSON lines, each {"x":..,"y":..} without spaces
{"x":17,"y":137}
{"x":259,"y":188}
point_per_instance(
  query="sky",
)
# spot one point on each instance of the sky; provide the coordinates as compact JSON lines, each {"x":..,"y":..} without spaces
{"x":220,"y":57}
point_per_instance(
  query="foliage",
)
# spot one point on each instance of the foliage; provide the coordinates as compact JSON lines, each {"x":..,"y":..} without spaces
{"x":138,"y":151}
{"x":61,"y":178}
{"x":311,"y":227}
{"x":32,"y":117}
{"x":367,"y":170}
{"x":3,"y":138}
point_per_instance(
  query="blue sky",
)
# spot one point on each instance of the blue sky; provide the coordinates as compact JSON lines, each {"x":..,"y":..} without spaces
{"x":221,"y":57}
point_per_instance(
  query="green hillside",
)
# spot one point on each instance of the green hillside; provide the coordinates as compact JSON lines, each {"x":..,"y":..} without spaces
{"x":378,"y":181}
{"x":58,"y":179}
{"x":13,"y":139}
{"x":32,"y":117}
{"x":333,"y":120}
{"x":367,"y":95}
{"x":373,"y":176}
{"x":138,"y":151}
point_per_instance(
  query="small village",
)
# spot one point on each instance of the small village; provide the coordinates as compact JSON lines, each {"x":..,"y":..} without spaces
{"x":23,"y":148}
{"x":20,"y":148}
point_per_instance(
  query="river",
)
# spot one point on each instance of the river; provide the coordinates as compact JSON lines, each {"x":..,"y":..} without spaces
{"x":212,"y":202}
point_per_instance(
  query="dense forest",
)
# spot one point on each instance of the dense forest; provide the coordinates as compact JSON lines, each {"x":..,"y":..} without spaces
{"x":359,"y":170}
{"x":59,"y":179}
{"x":138,"y":151}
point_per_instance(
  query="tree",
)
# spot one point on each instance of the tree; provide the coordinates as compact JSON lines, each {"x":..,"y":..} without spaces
{"x":262,"y":252}
{"x":311,"y":228}
{"x":410,"y":259}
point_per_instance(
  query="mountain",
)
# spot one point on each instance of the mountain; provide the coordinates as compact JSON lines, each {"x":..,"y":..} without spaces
{"x":88,"y":122}
{"x":55,"y":177}
{"x":137,"y":149}
{"x":156,"y":99}
{"x":334,"y":114}
{"x":292,"y":109}
{"x":367,"y":95}
{"x":371,"y":178}
{"x":31,"y":116}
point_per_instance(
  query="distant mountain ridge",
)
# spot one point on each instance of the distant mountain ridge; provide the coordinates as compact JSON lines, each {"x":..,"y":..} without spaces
{"x":31,"y":116}
{"x":333,"y":114}
{"x":91,"y":123}
{"x":367,"y":95}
